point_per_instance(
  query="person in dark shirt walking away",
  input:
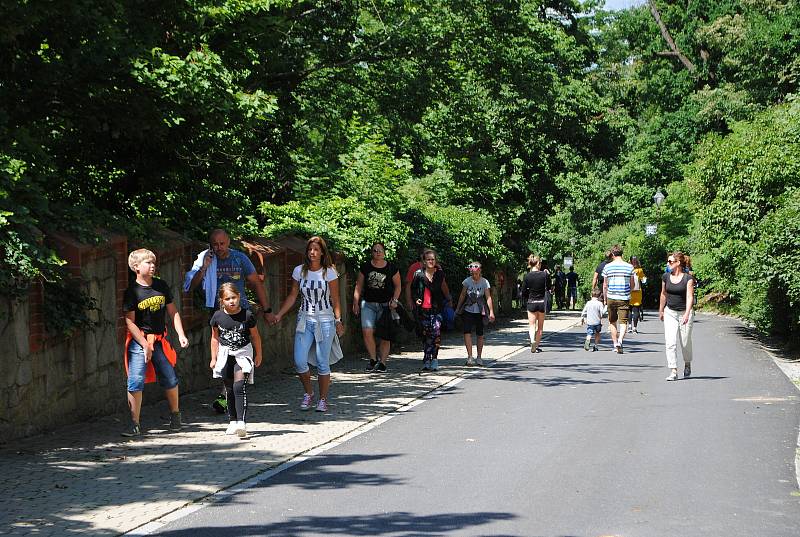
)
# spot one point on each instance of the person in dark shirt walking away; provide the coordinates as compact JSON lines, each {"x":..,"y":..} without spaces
{"x":676,"y":310}
{"x":235,"y":353}
{"x":535,"y":286}
{"x":572,"y":288}
{"x":597,"y":277}
{"x":376,"y":294}
{"x":148,"y":353}
{"x":559,"y":286}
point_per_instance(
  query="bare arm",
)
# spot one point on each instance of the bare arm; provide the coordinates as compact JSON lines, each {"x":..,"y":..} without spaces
{"x":397,"y":287}
{"x":172,"y":311}
{"x":689,"y":300}
{"x":490,"y":303}
{"x":255,"y":339}
{"x":662,"y":301}
{"x":357,"y":293}
{"x":446,"y":291}
{"x":461,"y":297}
{"x":337,"y":309}
{"x":214,"y":346}
{"x":289,"y":302}
{"x":255,"y":283}
{"x":138,"y":335}
{"x":200,"y":274}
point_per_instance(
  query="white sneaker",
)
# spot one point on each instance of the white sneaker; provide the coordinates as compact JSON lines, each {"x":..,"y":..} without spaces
{"x":231,"y":427}
{"x":673,"y":376}
{"x":470,"y":361}
{"x":479,"y":361}
{"x":241,"y":429}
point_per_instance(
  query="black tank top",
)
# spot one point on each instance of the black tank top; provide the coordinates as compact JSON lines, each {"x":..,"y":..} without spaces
{"x":676,"y":292}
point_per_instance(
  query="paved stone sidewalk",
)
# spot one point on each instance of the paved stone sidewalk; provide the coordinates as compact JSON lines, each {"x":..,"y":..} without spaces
{"x":87,"y":479}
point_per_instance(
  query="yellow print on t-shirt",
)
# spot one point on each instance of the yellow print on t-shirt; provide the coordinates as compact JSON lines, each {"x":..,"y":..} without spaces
{"x":154,"y":303}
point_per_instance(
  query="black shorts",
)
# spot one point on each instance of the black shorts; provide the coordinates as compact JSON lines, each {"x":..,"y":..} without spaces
{"x":471,"y":320}
{"x":535,"y":306}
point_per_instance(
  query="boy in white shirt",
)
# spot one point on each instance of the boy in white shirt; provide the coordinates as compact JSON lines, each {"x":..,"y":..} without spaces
{"x":592,"y":316}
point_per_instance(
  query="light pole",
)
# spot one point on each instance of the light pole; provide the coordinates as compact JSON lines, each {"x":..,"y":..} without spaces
{"x":651,"y":229}
{"x":658,"y":197}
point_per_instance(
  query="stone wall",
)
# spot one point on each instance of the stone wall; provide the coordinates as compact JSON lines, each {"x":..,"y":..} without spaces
{"x":47,"y":381}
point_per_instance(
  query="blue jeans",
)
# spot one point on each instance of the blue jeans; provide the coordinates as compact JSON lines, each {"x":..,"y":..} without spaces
{"x":304,"y":340}
{"x":165,"y":373}
{"x":370,"y":313}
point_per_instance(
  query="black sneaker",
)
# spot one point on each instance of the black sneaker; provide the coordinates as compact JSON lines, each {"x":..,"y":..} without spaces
{"x":380,"y":368}
{"x":619,"y":349}
{"x":687,"y":370}
{"x":134,"y":430}
{"x":371,"y":366}
{"x":594,"y":348}
{"x":175,"y":422}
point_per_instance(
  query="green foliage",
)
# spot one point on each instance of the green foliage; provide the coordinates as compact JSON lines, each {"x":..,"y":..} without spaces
{"x":349,"y":224}
{"x":773,"y":265}
{"x":459,"y":235}
{"x":23,"y":257}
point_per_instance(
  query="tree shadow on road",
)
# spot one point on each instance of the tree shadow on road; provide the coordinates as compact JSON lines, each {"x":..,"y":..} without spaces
{"x":396,"y":524}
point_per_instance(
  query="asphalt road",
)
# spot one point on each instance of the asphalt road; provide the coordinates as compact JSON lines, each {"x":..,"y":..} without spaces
{"x":561,"y":443}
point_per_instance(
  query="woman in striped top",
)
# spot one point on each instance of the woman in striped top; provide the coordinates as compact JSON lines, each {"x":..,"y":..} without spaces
{"x":318,"y":321}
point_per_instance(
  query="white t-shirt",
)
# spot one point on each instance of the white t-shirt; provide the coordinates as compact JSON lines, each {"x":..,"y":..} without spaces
{"x":475,"y":290}
{"x":315,"y":290}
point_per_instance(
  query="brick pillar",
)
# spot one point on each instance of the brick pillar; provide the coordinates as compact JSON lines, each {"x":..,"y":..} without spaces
{"x":36,"y":333}
{"x":119,"y":246}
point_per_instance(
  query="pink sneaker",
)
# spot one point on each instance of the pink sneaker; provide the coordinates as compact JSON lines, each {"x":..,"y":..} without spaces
{"x":322,"y":405}
{"x":306,"y":404}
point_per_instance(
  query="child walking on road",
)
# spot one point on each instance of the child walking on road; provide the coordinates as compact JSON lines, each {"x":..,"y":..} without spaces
{"x":148,"y":353}
{"x":235,"y":352}
{"x":592,"y":316}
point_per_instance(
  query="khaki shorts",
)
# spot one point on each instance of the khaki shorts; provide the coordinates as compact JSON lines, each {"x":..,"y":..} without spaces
{"x":618,"y":309}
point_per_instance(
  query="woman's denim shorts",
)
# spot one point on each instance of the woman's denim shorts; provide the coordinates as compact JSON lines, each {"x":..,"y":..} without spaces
{"x":370,"y":313}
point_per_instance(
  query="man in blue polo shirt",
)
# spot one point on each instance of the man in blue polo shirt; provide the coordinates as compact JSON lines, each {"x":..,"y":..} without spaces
{"x":617,"y":285}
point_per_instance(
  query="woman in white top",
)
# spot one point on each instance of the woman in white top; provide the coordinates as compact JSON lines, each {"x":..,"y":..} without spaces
{"x":475,"y":305}
{"x":318,"y":321}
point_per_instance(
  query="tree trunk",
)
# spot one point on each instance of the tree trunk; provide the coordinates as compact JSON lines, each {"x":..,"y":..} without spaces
{"x":674,"y":50}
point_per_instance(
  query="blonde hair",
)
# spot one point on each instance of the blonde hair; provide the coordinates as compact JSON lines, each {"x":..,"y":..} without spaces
{"x":228,"y":287}
{"x":534,"y":261}
{"x":137,"y":256}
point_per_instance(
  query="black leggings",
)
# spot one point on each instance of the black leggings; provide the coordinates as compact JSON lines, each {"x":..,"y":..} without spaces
{"x":235,"y":390}
{"x":636,"y":315}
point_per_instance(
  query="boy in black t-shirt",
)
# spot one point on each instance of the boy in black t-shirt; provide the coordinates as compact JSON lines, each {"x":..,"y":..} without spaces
{"x":148,"y":353}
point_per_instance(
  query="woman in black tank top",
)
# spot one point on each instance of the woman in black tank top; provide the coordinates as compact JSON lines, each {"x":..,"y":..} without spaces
{"x":675,"y":309}
{"x":535,"y":286}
